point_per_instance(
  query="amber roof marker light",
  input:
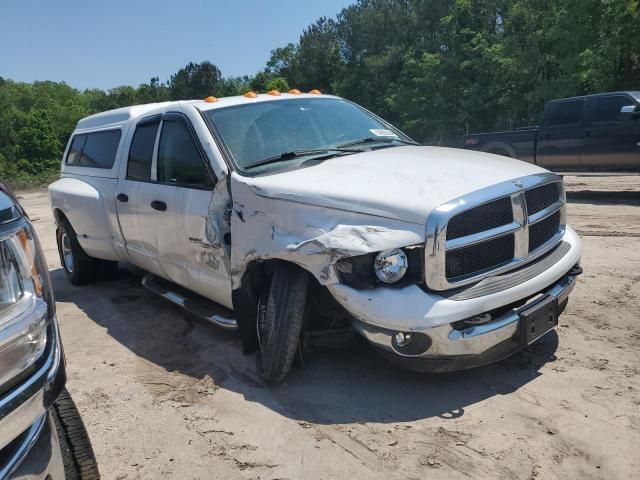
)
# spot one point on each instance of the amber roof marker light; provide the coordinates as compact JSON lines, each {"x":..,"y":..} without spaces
{"x":315,"y":92}
{"x":211,"y":99}
{"x":294,"y":91}
{"x":250,"y":94}
{"x":274,"y":93}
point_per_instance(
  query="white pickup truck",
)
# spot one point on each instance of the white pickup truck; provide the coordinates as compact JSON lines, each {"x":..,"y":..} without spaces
{"x":295,"y":216}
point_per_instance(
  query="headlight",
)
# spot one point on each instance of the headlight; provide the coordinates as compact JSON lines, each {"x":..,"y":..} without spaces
{"x":23,"y":306}
{"x":390,"y":265}
{"x":376,"y":269}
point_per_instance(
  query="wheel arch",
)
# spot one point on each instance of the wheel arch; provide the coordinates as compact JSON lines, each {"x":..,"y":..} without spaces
{"x":59,"y":216}
{"x":500,"y":148}
{"x":255,"y":279}
{"x":82,"y":205}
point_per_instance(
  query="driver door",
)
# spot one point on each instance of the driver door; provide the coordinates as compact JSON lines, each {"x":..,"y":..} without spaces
{"x":164,"y":207}
{"x":612,"y":138}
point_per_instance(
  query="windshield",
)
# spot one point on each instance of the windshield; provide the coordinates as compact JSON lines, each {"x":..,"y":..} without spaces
{"x":265,"y":130}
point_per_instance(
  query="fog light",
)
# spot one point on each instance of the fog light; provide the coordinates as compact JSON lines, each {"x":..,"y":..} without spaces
{"x":403,"y":339}
{"x":410,"y":344}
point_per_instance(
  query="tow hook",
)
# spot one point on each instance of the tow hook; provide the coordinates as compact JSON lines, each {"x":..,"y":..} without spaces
{"x":575,"y":271}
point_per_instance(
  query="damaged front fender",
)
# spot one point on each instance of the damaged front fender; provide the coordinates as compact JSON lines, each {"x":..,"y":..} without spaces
{"x":310,"y":236}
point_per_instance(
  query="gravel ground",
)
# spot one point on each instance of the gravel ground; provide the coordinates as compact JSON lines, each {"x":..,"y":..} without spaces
{"x":164,"y":395}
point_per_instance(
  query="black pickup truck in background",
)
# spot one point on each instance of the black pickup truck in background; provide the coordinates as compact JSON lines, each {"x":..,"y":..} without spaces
{"x":593,"y":133}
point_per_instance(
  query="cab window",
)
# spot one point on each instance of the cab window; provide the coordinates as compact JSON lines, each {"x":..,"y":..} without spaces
{"x":566,"y":113}
{"x":95,"y":150}
{"x":76,"y":149}
{"x":180,"y":161}
{"x":607,"y":109}
{"x":141,"y":151}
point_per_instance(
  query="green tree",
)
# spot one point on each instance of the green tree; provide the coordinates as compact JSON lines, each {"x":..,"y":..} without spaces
{"x":320,"y":64}
{"x":152,"y":92}
{"x":38,"y":148}
{"x":277,"y":83}
{"x":234,"y":86}
{"x":7,"y":128}
{"x":258,"y":82}
{"x":284,"y":62}
{"x":195,"y":81}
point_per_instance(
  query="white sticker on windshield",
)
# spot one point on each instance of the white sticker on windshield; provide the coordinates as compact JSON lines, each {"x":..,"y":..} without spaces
{"x":381,"y":132}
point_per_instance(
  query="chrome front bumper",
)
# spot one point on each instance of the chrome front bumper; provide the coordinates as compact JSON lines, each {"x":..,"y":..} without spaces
{"x":476,"y":340}
{"x":456,"y":349}
{"x":28,"y":443}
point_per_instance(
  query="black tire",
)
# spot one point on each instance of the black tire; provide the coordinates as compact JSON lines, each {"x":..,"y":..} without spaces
{"x":81,"y":268}
{"x":280,"y":322}
{"x":77,"y":453}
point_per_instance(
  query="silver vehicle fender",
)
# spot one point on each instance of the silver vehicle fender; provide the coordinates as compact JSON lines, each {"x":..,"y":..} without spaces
{"x":85,"y":208}
{"x":310,"y":236}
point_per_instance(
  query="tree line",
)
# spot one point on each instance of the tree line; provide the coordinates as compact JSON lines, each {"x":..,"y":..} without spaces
{"x":434,"y":68}
{"x":36,"y":119}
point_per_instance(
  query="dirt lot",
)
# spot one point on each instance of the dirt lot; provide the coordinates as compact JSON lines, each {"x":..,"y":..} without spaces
{"x":165,"y":395}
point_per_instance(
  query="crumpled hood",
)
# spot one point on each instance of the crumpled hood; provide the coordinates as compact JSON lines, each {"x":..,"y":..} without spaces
{"x":404,"y":183}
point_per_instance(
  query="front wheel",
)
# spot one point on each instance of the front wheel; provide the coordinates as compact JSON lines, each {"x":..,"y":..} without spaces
{"x":279,"y":322}
{"x":77,"y":454}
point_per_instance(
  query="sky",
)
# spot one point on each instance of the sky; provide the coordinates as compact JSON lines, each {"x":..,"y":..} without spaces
{"x":107,"y":43}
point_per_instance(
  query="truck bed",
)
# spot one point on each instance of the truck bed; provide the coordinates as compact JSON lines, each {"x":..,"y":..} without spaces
{"x":519,"y":143}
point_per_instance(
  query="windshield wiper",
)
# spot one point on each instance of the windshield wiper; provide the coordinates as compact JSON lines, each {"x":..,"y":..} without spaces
{"x":319,"y":152}
{"x":378,"y":140}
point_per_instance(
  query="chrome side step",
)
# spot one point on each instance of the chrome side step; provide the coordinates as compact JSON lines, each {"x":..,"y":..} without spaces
{"x":191,"y":302}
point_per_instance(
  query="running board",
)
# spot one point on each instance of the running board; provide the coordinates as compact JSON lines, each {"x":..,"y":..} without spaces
{"x":191,"y":302}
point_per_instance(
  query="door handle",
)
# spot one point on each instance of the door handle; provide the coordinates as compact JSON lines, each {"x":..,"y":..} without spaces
{"x":546,"y":136}
{"x":122,"y":197}
{"x":587,"y":133}
{"x":158,"y":205}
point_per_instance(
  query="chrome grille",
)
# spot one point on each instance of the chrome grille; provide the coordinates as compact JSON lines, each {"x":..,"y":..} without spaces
{"x":542,"y":197}
{"x":493,"y":230}
{"x":490,"y":215}
{"x":476,"y":258}
{"x":543,"y":231}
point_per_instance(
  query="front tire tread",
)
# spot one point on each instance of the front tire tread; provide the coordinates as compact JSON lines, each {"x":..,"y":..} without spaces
{"x":282,"y":322}
{"x":77,"y":454}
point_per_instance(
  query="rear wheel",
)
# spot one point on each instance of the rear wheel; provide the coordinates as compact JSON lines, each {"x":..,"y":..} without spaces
{"x":79,"y":267}
{"x":77,"y":454}
{"x":504,"y":153}
{"x":279,"y":323}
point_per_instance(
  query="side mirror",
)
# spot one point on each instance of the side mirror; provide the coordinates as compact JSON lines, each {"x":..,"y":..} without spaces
{"x":632,"y":110}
